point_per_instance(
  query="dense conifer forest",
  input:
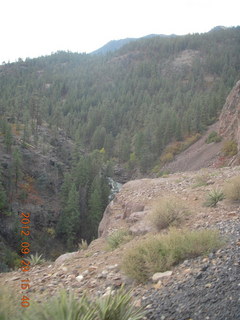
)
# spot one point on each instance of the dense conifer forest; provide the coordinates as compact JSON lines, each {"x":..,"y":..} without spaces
{"x":137,"y":107}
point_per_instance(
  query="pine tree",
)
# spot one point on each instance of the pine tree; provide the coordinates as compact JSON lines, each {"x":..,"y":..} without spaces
{"x":16,"y":167}
{"x":98,"y":200}
{"x":8,"y":139}
{"x":3,"y":196}
{"x":72,"y":216}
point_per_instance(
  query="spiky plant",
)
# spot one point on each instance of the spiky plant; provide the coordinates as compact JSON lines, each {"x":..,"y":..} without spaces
{"x":214,"y":196}
{"x":118,"y":306}
{"x":35,"y":259}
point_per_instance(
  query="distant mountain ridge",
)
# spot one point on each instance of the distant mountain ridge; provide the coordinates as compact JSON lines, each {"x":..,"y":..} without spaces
{"x":114,"y":45}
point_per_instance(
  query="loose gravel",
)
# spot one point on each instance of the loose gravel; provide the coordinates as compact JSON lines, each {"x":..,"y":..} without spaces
{"x":212,"y":293}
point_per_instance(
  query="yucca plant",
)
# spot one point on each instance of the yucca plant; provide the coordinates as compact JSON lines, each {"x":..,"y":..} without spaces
{"x":67,"y":307}
{"x":118,"y":307}
{"x":63,"y":307}
{"x":214,"y":196}
{"x":35,"y":259}
{"x":83,"y":245}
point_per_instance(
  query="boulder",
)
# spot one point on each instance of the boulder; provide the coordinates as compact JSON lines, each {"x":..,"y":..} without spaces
{"x":159,"y":275}
{"x":64,"y":257}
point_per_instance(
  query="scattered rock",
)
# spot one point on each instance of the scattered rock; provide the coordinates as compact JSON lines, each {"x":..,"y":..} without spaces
{"x":159,"y":275}
{"x":80,"y":278}
{"x":140,"y":228}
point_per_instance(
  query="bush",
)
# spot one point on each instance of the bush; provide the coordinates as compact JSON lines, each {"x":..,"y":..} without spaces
{"x":232,"y":189}
{"x":168,"y":211}
{"x":166,"y":157}
{"x":213,"y":137}
{"x":230,"y":148}
{"x":115,"y":239}
{"x":214,"y":197}
{"x":9,"y":259}
{"x":159,"y":253}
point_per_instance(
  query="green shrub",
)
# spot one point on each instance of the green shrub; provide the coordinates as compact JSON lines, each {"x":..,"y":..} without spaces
{"x":214,"y":196}
{"x":168,"y":211}
{"x":232,"y":189}
{"x":159,"y":253}
{"x":230,"y":148}
{"x":118,"y":237}
{"x":213,"y":137}
{"x":9,"y":259}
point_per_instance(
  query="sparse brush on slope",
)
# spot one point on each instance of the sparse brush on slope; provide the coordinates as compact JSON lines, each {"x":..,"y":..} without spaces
{"x":115,"y":239}
{"x":168,"y":211}
{"x":159,"y":253}
{"x":232,"y":189}
{"x":201,"y":181}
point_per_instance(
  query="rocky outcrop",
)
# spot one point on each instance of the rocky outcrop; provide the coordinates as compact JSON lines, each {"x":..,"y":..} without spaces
{"x":130,"y":206}
{"x":229,"y":126}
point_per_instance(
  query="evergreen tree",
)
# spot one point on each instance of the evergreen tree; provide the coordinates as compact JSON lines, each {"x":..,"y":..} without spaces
{"x":95,"y":205}
{"x":72,"y":216}
{"x":3,"y":196}
{"x":16,"y":167}
{"x":8,"y":138}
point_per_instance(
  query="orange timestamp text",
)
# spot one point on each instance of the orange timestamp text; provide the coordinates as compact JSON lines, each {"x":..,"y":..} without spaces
{"x":25,"y":250}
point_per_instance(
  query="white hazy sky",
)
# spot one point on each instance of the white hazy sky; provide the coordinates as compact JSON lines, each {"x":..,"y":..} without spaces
{"x":31,"y":28}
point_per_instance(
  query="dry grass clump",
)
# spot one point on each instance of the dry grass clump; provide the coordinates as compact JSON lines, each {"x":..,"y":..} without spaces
{"x":201,"y":181}
{"x":118,"y":237}
{"x":168,"y":211}
{"x":232,"y":189}
{"x":9,"y":304}
{"x":159,"y":253}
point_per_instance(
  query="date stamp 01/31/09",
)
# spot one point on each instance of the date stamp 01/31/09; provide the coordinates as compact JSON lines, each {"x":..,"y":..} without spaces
{"x":25,"y":250}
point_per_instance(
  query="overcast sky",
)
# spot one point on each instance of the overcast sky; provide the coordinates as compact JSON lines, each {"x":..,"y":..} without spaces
{"x":31,"y":28}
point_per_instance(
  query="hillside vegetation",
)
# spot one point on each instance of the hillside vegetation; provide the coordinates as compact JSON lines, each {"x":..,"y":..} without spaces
{"x":133,"y":102}
{"x":67,"y":119}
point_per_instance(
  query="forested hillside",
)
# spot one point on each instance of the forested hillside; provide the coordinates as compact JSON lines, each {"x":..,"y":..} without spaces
{"x":125,"y":107}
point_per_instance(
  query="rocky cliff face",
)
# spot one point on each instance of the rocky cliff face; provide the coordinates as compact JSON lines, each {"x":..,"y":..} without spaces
{"x":229,"y":126}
